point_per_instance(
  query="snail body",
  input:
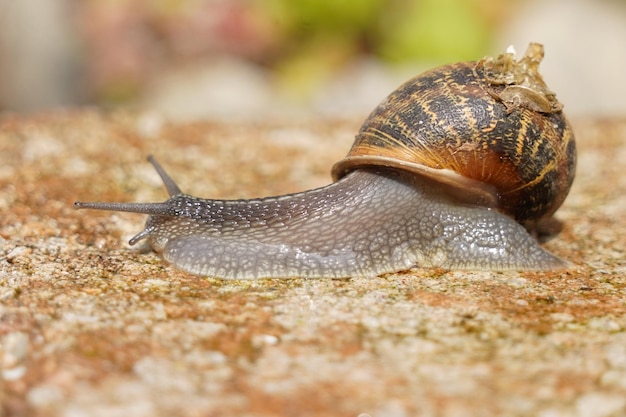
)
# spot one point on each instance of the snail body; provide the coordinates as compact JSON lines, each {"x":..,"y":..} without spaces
{"x":434,"y":179}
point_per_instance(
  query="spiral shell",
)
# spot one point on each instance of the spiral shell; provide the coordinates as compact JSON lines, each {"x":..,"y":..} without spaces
{"x":491,"y":129}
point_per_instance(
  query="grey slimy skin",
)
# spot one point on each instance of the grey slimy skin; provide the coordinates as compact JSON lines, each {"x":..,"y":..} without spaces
{"x":370,"y":222}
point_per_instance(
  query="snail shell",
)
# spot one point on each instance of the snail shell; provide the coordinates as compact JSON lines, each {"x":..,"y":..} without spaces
{"x":443,"y":173}
{"x":459,"y":125}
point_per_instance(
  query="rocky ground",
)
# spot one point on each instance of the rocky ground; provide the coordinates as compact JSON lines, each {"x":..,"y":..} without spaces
{"x":92,"y":327}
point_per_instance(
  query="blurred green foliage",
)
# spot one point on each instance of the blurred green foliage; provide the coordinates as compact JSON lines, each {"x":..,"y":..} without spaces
{"x":438,"y":30}
{"x":315,"y":37}
{"x":393,"y":30}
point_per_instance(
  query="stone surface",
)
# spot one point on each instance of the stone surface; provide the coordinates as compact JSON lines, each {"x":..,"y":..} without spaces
{"x":92,"y":327}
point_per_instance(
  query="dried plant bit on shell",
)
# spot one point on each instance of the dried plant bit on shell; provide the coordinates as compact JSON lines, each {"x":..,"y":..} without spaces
{"x":524,"y":86}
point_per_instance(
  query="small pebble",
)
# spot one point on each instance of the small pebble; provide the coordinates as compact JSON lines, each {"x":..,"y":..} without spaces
{"x":18,"y":251}
{"x":15,"y":347}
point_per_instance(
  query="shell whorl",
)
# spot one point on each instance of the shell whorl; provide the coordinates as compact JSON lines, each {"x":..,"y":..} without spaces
{"x":452,"y":120}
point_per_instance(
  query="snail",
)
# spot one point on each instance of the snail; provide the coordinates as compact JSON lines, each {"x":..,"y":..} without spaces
{"x":454,"y":169}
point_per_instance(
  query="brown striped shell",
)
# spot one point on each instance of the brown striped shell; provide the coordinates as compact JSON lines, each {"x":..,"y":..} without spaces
{"x":490,"y":128}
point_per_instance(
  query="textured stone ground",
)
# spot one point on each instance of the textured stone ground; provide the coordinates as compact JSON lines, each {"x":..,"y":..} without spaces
{"x":91,"y":327}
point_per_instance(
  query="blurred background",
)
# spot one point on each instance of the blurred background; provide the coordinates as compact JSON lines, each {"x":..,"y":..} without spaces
{"x":254,"y":59}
